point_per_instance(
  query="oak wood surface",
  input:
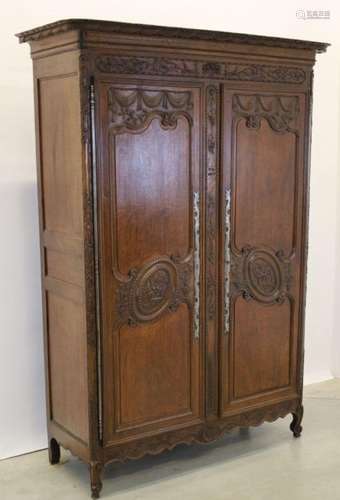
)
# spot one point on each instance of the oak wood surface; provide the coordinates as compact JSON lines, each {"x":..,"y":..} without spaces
{"x":170,"y":314}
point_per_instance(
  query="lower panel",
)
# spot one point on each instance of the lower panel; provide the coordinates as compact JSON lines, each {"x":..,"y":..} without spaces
{"x":261,"y":348}
{"x":154,"y":375}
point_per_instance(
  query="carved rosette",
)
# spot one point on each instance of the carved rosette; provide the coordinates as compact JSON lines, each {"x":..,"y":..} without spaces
{"x":133,"y":110}
{"x":163,"y":66}
{"x":261,"y":274}
{"x":158,"y":286}
{"x":280,"y":111}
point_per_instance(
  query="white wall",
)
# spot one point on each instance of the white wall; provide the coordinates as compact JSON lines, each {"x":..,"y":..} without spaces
{"x":22,"y":413}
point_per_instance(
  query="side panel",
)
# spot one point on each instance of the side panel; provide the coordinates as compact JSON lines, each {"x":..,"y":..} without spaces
{"x":263,"y":210}
{"x":61,"y":220}
{"x":150,"y":215}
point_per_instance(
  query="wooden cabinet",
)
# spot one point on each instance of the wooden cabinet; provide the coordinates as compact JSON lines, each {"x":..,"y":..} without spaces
{"x":173,"y":185}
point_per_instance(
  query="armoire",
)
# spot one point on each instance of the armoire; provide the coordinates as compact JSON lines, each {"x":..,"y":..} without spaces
{"x":173,"y":172}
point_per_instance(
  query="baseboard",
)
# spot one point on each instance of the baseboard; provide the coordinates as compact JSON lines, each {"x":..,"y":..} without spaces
{"x":314,"y":378}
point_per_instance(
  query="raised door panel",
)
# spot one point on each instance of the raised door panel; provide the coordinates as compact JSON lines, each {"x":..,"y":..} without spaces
{"x":263,"y":247}
{"x":149,"y":213}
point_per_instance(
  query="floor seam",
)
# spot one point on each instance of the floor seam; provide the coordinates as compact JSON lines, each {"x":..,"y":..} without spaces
{"x":318,"y":397}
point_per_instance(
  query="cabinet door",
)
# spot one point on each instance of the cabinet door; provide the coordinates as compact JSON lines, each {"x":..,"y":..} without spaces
{"x":148,"y":160}
{"x":262,"y":261}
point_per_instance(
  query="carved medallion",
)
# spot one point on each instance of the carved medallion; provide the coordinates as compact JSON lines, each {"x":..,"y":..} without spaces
{"x":261,"y":274}
{"x":158,"y":286}
{"x":154,"y":290}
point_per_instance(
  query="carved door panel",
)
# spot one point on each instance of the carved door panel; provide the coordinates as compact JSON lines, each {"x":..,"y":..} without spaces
{"x":149,"y":210}
{"x":263,"y":210}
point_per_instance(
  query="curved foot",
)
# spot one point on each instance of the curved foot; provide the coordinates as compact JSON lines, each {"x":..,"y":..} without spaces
{"x":296,"y":426}
{"x":95,"y":476}
{"x":54,"y":452}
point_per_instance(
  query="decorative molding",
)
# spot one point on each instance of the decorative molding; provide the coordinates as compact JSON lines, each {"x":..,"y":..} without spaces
{"x":280,"y":111}
{"x":206,"y":433}
{"x":89,"y":201}
{"x":197,"y":264}
{"x":162,"y":66}
{"x":133,"y":110}
{"x":160,"y":285}
{"x":116,"y":28}
{"x":227,"y":257}
{"x":261,"y":274}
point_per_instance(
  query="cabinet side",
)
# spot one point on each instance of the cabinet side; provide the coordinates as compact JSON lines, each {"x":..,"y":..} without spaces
{"x":61,"y":201}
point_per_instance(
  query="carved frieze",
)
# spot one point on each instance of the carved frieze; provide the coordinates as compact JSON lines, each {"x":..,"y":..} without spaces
{"x":132,"y":110}
{"x":264,"y":73}
{"x":163,"y":66}
{"x":261,"y":274}
{"x":280,"y":111}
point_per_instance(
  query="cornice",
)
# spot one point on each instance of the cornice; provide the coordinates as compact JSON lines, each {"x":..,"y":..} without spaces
{"x":83,"y":25}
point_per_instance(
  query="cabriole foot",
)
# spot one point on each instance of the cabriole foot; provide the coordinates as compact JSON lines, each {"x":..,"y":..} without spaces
{"x":296,"y":426}
{"x":95,"y":476}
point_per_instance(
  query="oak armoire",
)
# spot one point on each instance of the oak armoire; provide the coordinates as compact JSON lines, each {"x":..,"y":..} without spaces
{"x":173,"y":171}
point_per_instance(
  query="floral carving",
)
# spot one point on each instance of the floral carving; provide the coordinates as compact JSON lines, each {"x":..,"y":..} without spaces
{"x":211,"y":217}
{"x":108,"y":63}
{"x":158,"y":66}
{"x":154,"y":290}
{"x":280,"y":111}
{"x":264,"y":73}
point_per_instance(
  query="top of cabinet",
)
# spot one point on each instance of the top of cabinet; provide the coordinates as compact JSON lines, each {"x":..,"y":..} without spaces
{"x":128,"y":29}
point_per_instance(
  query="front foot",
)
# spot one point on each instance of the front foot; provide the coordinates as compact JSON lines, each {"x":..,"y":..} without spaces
{"x":296,"y":426}
{"x":54,"y":452}
{"x":95,"y":476}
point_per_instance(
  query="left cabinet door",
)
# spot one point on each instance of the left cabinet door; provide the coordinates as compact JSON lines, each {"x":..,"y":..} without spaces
{"x":149,"y":216}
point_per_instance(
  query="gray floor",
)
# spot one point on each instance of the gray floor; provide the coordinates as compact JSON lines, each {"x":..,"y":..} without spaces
{"x":265,"y":464}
